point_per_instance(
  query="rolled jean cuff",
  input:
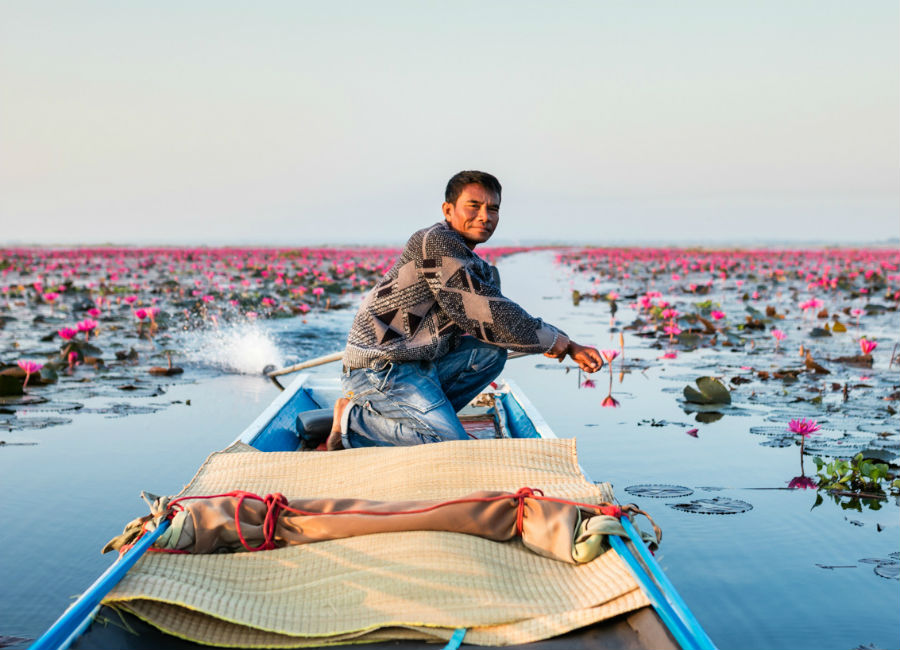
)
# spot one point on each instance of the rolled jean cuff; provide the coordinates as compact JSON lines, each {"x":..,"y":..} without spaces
{"x":345,"y":424}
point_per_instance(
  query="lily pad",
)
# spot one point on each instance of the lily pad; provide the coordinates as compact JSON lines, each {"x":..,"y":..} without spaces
{"x":123,"y":409}
{"x":713,"y":506}
{"x":10,"y":386}
{"x":19,"y":424}
{"x":712,"y":391}
{"x":658,"y":491}
{"x":889,"y":569}
{"x":778,"y":442}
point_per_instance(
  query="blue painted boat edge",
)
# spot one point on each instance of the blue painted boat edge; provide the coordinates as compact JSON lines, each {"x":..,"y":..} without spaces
{"x":72,"y":621}
{"x":671,"y":620}
{"x":250,"y":435}
{"x":518,"y":406}
{"x":667,"y":602}
{"x":702,"y":639}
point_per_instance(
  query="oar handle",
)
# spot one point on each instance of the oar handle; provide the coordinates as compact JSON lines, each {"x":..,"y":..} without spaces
{"x":312,"y":363}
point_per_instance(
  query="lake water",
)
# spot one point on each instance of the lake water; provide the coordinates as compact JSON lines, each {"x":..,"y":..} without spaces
{"x":779,"y":571}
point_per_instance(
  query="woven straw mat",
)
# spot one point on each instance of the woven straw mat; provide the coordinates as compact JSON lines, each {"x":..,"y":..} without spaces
{"x":410,"y":585}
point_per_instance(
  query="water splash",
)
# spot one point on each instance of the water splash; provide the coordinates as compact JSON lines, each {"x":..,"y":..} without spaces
{"x":244,"y":348}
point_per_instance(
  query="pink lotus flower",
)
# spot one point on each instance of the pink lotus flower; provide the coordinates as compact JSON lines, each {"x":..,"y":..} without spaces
{"x":67,"y":333}
{"x":318,"y":291}
{"x":669,"y":313}
{"x":779,"y":337}
{"x":588,"y":383}
{"x":669,"y":355}
{"x":268,"y":302}
{"x":717,"y":315}
{"x":867,"y":346}
{"x":87,"y":325}
{"x":672,"y":330}
{"x":30,"y":367}
{"x":140,"y":314}
{"x":803,"y":427}
{"x":609,"y":355}
{"x":802,"y":483}
{"x":130,"y":299}
{"x":93,"y":312}
{"x":692,"y":432}
{"x":50,"y":296}
{"x":612,"y":295}
{"x":609,"y":402}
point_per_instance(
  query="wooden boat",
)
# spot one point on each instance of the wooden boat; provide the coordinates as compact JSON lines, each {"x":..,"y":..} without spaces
{"x":667,"y":624}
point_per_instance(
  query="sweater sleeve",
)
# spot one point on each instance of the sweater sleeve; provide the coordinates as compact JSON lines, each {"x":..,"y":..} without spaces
{"x":468,"y":293}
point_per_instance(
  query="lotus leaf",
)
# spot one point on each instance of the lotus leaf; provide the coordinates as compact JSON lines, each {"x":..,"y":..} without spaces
{"x":712,"y":391}
{"x":10,"y":386}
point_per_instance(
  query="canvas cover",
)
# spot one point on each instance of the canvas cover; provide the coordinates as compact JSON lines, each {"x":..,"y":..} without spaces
{"x":416,"y":584}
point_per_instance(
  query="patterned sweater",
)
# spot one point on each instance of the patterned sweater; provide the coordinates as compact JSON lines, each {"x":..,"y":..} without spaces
{"x":436,"y":291}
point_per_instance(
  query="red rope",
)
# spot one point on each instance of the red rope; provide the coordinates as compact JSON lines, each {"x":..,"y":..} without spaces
{"x":277,"y":503}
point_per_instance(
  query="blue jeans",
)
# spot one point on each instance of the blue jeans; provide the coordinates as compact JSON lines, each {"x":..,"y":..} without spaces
{"x":416,"y":402}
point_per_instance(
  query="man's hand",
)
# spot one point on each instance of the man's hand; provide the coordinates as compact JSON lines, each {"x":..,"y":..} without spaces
{"x":587,"y":358}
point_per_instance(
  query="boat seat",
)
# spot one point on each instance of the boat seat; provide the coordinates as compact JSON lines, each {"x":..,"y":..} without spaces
{"x":313,"y":427}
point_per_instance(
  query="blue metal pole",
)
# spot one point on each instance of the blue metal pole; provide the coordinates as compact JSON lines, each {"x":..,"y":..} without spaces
{"x":668,"y":589}
{"x":60,"y":633}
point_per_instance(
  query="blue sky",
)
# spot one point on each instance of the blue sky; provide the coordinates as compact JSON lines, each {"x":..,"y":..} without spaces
{"x":310,"y":122}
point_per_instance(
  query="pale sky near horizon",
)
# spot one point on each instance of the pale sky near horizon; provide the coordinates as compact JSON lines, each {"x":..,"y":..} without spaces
{"x":293,"y":122}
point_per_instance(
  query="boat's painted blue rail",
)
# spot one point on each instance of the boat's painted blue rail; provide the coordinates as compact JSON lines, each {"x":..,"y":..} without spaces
{"x":72,"y":622}
{"x":517,"y":418}
{"x":280,"y":434}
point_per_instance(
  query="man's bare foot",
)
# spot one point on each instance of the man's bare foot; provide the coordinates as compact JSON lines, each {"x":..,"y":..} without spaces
{"x":334,"y":438}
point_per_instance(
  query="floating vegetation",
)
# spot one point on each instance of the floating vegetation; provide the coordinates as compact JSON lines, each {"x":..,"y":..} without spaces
{"x":709,"y":391}
{"x":57,"y":406}
{"x":657,"y":491}
{"x":888,"y":567}
{"x":846,"y":446}
{"x":713,"y":506}
{"x":860,"y":474}
{"x":22,"y":424}
{"x":123,"y":409}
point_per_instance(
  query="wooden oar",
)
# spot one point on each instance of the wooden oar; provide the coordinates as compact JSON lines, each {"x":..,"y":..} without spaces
{"x":311,"y":363}
{"x":337,"y":356}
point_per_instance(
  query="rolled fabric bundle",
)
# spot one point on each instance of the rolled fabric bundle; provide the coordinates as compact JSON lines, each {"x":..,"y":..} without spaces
{"x":244,"y":522}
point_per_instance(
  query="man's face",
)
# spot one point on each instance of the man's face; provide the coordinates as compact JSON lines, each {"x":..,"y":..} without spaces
{"x":475,"y":214}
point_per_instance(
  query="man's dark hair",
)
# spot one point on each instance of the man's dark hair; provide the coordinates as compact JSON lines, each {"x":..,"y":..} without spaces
{"x":456,"y":184}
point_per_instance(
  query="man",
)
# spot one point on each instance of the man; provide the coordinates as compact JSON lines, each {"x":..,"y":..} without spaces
{"x":435,"y":331}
